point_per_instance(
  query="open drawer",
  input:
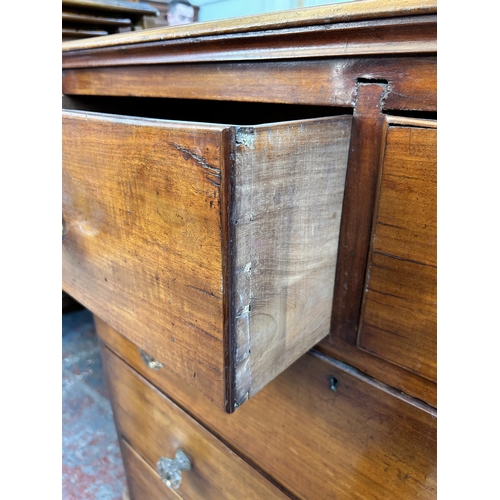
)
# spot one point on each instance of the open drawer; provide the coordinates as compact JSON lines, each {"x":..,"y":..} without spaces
{"x":211,"y":247}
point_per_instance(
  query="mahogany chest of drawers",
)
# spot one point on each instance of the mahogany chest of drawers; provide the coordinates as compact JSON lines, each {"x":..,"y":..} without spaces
{"x":249,"y":210}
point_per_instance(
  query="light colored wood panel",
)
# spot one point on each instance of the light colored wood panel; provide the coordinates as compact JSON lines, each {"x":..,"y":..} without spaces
{"x":413,"y":122}
{"x":289,"y":188}
{"x":400,"y":313}
{"x":358,"y":442}
{"x":325,"y":14}
{"x":406,"y":221}
{"x":142,"y":250}
{"x":144,"y":482}
{"x":157,"y":428}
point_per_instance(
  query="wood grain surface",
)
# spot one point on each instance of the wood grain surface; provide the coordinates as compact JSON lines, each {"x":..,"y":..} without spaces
{"x":143,"y":481}
{"x":143,"y":236}
{"x":398,"y":294}
{"x":288,"y":192}
{"x":325,"y":14}
{"x":225,"y":285}
{"x":366,"y":148}
{"x":360,"y":441}
{"x":402,"y":35}
{"x":156,"y":428}
{"x":398,"y":319}
{"x":413,"y":82}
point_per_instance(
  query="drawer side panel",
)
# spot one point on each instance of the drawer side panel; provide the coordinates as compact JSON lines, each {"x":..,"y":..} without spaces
{"x":289,"y":186}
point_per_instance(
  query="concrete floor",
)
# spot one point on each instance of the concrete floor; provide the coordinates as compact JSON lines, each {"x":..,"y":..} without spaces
{"x":92,"y":467}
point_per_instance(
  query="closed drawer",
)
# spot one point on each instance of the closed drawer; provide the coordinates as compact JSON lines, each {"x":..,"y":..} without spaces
{"x":212,"y":247}
{"x":359,"y":441}
{"x":143,"y":481}
{"x":398,"y":319}
{"x":157,"y":429}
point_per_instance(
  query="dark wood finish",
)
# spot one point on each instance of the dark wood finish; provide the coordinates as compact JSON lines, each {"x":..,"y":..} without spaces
{"x":398,"y":320}
{"x":362,"y":441}
{"x":371,"y":10}
{"x":331,"y":82}
{"x":156,"y":428}
{"x":395,"y":308}
{"x":144,"y":247}
{"x":404,"y":35}
{"x":361,"y":182}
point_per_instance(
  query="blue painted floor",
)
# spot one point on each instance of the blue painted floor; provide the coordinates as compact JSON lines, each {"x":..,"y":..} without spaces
{"x":92,"y":464}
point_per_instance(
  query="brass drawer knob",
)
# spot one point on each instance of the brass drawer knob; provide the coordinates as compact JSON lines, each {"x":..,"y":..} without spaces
{"x":170,"y":470}
{"x":151,"y":362}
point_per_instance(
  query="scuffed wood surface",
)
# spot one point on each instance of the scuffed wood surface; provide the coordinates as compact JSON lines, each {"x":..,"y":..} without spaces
{"x":143,"y":236}
{"x":413,"y":81}
{"x":398,"y":321}
{"x":228,"y":286}
{"x":401,"y":35}
{"x":360,"y":193}
{"x":155,"y":427}
{"x":289,"y":188}
{"x":358,"y":442}
{"x":325,"y":14}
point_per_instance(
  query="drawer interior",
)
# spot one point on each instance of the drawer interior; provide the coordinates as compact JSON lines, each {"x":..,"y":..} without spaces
{"x":196,"y":110}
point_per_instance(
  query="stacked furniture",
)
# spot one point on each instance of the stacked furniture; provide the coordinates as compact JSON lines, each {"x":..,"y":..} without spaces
{"x":161,"y":19}
{"x":90,"y":18}
{"x":249,"y":210}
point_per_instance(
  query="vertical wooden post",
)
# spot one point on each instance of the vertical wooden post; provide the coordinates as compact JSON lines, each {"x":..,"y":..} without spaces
{"x":366,"y":149}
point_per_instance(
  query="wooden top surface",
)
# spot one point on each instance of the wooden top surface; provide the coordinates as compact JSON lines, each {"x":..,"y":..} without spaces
{"x":359,"y":10}
{"x":111,"y":5}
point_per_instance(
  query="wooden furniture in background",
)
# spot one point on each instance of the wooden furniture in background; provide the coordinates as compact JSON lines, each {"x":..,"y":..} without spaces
{"x":210,"y":230}
{"x":90,"y":18}
{"x":161,"y":19}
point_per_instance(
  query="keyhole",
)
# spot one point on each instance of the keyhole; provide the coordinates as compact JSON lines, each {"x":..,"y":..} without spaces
{"x":333,"y":383}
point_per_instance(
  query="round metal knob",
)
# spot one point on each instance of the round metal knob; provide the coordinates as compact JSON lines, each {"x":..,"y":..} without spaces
{"x":170,"y":470}
{"x":151,"y":362}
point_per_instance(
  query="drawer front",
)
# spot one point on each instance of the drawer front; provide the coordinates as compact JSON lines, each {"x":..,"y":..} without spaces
{"x":213,"y":248}
{"x":157,"y":428}
{"x":399,"y":313}
{"x":142,"y":245}
{"x":357,"y":442}
{"x":143,"y":482}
